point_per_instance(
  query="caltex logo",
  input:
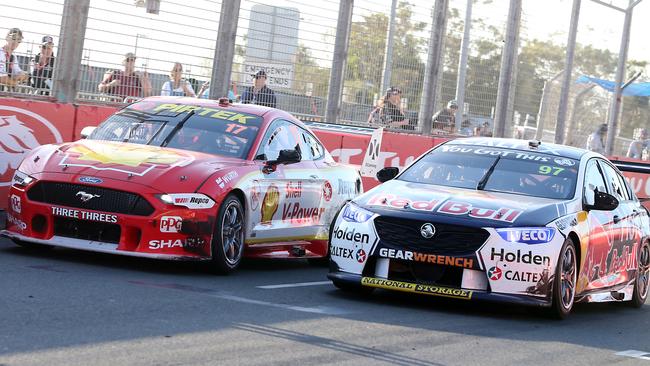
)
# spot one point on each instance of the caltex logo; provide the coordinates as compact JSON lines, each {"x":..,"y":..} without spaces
{"x":494,"y":273}
{"x":361,"y":255}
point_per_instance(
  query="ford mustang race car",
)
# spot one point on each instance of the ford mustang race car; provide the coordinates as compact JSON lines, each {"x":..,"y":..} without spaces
{"x":498,"y":219}
{"x":181,"y":178}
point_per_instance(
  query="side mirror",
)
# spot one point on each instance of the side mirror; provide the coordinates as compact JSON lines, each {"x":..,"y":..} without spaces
{"x":603,"y":201}
{"x":86,"y":131}
{"x":288,"y":156}
{"x":387,"y":174}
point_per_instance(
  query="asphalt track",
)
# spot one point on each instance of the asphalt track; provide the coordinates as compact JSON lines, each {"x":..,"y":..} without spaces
{"x":66,"y":307}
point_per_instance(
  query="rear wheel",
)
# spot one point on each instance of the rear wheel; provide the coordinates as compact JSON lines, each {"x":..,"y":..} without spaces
{"x":564,"y":283}
{"x":641,"y":284}
{"x":228,"y":238}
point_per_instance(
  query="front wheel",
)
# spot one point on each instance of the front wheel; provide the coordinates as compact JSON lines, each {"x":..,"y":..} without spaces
{"x":228,"y":238}
{"x":642,"y":277}
{"x":564,"y":283}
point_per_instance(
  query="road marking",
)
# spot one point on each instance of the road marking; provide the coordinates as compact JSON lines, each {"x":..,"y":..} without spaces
{"x":326,"y":310}
{"x":299,"y":284}
{"x":642,"y":355}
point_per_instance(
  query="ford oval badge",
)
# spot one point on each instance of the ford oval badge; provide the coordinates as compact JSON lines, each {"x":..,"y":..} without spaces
{"x":90,"y":180}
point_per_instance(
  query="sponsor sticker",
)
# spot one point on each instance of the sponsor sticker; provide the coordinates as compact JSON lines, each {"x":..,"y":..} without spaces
{"x":90,"y":180}
{"x":192,"y":200}
{"x":327,"y":191}
{"x":84,"y":215}
{"x":170,"y":224}
{"x":297,"y":214}
{"x":443,"y":260}
{"x":417,"y":288}
{"x":176,"y":243}
{"x":16,"y":221}
{"x":15,"y":203}
{"x":227,"y":178}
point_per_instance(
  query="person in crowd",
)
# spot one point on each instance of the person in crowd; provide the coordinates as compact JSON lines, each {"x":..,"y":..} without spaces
{"x":43,"y":66}
{"x":465,"y":128}
{"x":596,"y":141}
{"x":637,"y":146}
{"x":259,"y":93}
{"x":10,"y":72}
{"x":126,"y":83}
{"x":445,"y":119}
{"x":204,"y":92}
{"x":176,"y":85}
{"x":484,"y":130}
{"x":389,"y":112}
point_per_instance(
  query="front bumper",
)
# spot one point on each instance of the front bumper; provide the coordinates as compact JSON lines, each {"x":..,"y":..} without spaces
{"x":434,"y":290}
{"x":94,"y":246}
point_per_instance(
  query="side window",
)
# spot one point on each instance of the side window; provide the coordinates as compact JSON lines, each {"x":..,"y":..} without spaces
{"x":278,"y":137}
{"x":316,"y":150}
{"x":614,"y":182}
{"x":593,"y":181}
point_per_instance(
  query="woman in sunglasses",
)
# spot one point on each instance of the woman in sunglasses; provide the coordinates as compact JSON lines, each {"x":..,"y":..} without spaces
{"x":10,"y":72}
{"x":177,"y":86}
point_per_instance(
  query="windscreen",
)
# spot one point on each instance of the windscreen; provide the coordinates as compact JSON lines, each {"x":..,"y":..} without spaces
{"x":497,"y":170}
{"x":202,"y":129}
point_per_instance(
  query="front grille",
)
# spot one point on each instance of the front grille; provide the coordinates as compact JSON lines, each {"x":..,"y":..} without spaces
{"x":80,"y":229}
{"x":425,"y":273}
{"x":449,"y":239}
{"x":107,"y":200}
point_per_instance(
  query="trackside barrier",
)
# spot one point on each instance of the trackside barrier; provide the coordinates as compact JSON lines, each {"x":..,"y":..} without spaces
{"x":26,"y":124}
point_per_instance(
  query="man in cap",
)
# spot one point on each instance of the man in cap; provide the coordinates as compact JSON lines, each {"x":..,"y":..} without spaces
{"x":259,"y":93}
{"x":127,"y":83}
{"x":596,"y":141}
{"x":10,"y":72}
{"x":43,"y":66}
{"x":445,"y":119}
{"x":637,"y":146}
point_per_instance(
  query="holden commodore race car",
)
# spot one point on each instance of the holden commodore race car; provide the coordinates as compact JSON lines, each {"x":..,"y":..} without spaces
{"x":182,"y":178}
{"x":500,"y":219}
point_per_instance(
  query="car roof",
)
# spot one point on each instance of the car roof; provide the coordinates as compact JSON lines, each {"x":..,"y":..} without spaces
{"x":523,"y":145}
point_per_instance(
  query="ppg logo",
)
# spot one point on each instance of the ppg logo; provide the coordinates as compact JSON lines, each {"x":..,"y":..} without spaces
{"x":170,"y":224}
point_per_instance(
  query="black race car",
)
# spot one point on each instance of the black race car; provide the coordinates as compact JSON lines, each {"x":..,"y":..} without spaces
{"x":499,"y":219}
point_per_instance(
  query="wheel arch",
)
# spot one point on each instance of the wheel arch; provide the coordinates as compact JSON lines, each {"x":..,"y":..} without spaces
{"x":573,"y":236}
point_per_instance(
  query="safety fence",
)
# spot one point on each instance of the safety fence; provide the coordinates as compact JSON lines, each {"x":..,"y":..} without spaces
{"x":294,"y":41}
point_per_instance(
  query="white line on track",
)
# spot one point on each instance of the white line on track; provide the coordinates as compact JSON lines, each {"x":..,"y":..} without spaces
{"x":642,"y":355}
{"x":299,"y":284}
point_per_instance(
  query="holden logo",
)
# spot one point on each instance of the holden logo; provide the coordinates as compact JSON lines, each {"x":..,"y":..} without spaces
{"x":494,"y":273}
{"x":85,"y":197}
{"x":427,"y":230}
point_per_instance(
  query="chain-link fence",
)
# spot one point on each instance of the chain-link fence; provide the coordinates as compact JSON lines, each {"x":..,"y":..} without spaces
{"x":293,"y":42}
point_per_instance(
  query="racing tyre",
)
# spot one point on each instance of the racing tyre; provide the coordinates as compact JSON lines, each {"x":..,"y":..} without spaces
{"x":564,"y":283}
{"x":642,"y":277}
{"x":228,"y":238}
{"x":324,"y":261}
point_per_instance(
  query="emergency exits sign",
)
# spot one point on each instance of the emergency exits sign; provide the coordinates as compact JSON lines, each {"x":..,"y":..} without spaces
{"x":278,"y":76}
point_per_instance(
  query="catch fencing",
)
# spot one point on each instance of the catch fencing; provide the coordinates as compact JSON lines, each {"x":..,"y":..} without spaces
{"x":294,"y":42}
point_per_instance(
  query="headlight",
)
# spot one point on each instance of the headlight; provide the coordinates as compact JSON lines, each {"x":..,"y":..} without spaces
{"x":527,"y":235}
{"x":189,"y":200}
{"x":21,"y":179}
{"x":353,"y":213}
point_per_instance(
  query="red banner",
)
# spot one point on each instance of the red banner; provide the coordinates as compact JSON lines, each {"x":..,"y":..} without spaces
{"x":24,"y":125}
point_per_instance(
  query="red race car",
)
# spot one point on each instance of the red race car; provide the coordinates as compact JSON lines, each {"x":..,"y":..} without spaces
{"x":184,"y":179}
